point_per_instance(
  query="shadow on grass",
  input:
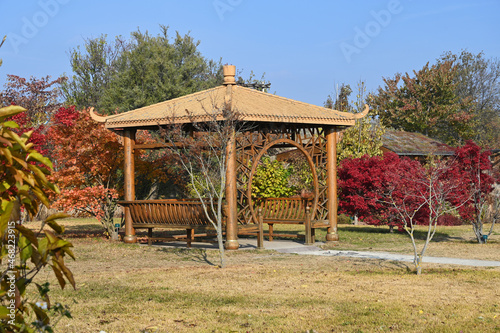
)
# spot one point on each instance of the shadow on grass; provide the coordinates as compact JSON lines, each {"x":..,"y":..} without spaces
{"x":82,"y":232}
{"x":367,"y":229}
{"x":74,"y":230}
{"x":379,"y":267}
{"x":195,"y":255}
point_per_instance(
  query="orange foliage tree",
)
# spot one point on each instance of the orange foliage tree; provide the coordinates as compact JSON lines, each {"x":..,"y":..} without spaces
{"x":88,"y":161}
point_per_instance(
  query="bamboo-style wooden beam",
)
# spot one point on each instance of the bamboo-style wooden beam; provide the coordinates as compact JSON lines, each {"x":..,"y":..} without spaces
{"x":231,"y":196}
{"x":129,"y":171}
{"x":331,"y":183}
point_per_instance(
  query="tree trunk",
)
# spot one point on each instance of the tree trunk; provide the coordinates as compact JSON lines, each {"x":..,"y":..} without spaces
{"x":479,"y":234}
{"x":220,"y":241}
{"x":418,"y":264}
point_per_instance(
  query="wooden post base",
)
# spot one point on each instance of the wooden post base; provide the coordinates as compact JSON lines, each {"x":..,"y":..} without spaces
{"x":130,"y":239}
{"x":232,"y":244}
{"x":332,"y":237}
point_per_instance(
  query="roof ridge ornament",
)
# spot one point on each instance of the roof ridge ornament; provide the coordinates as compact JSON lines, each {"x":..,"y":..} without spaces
{"x":362,"y":114}
{"x":96,"y":117}
{"x":229,"y":72}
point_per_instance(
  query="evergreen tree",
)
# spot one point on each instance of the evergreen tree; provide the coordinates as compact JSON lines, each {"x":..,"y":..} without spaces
{"x":141,"y":71}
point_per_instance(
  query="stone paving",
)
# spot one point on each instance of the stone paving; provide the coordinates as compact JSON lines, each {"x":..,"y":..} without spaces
{"x":297,"y":247}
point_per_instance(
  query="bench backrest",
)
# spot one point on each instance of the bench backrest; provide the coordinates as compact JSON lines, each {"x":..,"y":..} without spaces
{"x":167,"y":212}
{"x":284,"y":209}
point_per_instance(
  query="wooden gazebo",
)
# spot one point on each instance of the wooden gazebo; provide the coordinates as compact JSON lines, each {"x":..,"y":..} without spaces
{"x":276,"y":122}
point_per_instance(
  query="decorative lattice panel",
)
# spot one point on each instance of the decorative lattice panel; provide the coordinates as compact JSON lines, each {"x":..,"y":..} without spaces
{"x":249,"y":144}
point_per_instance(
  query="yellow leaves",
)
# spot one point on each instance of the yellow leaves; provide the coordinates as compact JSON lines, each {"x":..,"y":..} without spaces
{"x":10,"y":111}
{"x":41,"y":196}
{"x":38,"y":172}
{"x":6,"y":152}
{"x":34,"y":155}
{"x":10,"y":124}
{"x":50,"y":221}
{"x":28,"y":234}
{"x":6,"y":209}
{"x":26,"y":249}
{"x":59,"y":275}
{"x":25,"y":182}
{"x":20,"y":141}
{"x":60,"y":269}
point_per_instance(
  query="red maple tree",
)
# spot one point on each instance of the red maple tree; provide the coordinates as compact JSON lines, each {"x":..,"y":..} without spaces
{"x":88,"y":159}
{"x":473,"y":167}
{"x":365,"y":182}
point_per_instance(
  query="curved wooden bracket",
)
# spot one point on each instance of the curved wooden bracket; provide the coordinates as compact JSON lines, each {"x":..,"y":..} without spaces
{"x":95,"y":117}
{"x":362,"y":114}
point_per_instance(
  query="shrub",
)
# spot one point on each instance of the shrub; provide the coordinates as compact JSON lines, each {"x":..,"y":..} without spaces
{"x":449,"y":220}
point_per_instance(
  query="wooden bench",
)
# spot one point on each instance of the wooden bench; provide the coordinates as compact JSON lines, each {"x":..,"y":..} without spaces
{"x":288,"y":211}
{"x":185,"y":214}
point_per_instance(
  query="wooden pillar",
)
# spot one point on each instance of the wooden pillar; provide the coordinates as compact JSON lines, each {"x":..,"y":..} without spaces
{"x":331,"y":183}
{"x":129,"y":171}
{"x":231,"y":196}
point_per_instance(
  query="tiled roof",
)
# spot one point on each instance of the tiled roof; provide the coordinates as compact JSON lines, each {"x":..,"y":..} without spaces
{"x":413,"y":144}
{"x":252,"y":105}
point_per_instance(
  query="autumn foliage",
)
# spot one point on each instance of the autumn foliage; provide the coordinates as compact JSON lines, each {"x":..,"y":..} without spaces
{"x":88,"y":160}
{"x":40,"y":98}
{"x":374,"y":188}
{"x":25,"y":187}
{"x":426,"y":102}
{"x":474,"y":169}
{"x":365,"y":182}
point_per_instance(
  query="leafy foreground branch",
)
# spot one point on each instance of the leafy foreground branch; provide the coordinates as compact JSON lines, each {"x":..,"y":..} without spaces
{"x":23,"y":186}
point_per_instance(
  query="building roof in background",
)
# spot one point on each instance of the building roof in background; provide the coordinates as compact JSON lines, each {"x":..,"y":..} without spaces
{"x":413,"y":144}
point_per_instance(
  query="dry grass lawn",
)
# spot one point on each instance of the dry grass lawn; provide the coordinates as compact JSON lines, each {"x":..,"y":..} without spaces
{"x":136,"y":288}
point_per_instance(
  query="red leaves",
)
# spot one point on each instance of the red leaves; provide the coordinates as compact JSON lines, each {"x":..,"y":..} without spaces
{"x":88,"y":158}
{"x":371,"y":187}
{"x":365,"y":183}
{"x":66,"y":116}
{"x":476,"y":182}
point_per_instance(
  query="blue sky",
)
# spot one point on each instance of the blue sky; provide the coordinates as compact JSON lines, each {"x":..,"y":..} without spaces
{"x":305,"y":48}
